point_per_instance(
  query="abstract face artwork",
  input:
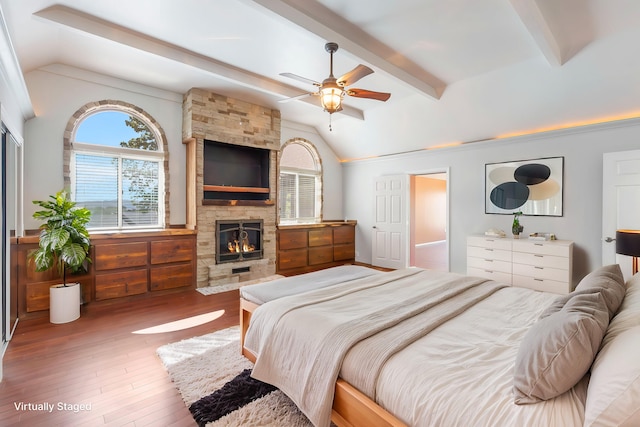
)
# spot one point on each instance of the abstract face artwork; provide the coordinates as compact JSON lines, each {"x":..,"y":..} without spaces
{"x":531,"y":186}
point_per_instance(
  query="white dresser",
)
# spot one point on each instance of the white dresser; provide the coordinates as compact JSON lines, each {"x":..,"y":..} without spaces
{"x":489,"y":257}
{"x":541,"y":265}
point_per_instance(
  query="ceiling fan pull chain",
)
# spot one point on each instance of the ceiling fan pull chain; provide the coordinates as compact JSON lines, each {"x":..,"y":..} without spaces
{"x":330,"y":129}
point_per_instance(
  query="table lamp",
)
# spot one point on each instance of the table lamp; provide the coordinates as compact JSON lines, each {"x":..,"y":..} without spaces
{"x":628,"y":243}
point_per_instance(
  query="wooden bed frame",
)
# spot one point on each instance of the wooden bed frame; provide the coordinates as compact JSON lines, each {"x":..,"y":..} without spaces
{"x":351,"y":408}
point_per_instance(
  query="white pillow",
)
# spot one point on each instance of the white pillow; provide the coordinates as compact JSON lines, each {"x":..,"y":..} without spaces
{"x":613,"y":395}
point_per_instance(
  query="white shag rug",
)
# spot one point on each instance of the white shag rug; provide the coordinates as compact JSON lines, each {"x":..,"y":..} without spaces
{"x":211,"y":290}
{"x":208,"y":373}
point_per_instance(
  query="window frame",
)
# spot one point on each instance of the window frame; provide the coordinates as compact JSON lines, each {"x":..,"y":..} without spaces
{"x":159,"y":156}
{"x":318,"y":197}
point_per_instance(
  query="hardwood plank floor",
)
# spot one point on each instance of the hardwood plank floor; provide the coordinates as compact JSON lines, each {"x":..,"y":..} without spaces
{"x":97,"y":361}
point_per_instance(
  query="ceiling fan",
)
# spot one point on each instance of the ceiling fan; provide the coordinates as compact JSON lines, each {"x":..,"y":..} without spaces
{"x":331,"y":91}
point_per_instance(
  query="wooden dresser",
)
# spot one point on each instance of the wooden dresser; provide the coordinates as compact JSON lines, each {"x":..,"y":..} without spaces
{"x":544,"y":265}
{"x":124,"y":264}
{"x":310,"y":247}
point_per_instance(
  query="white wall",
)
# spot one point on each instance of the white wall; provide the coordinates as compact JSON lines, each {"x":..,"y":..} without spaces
{"x":582,"y":149}
{"x":331,"y":167}
{"x":57,"y":92}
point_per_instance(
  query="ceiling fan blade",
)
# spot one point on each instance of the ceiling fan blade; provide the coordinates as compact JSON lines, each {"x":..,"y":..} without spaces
{"x":300,"y":78}
{"x":363,"y":93}
{"x":354,"y":75}
{"x":293,"y":98}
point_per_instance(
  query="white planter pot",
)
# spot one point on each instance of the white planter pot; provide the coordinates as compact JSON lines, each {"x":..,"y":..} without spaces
{"x":64,"y":303}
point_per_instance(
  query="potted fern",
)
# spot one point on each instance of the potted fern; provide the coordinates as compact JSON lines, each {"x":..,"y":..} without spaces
{"x":64,"y":244}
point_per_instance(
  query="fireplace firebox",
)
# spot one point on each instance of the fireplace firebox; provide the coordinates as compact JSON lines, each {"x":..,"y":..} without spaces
{"x":238,"y":240}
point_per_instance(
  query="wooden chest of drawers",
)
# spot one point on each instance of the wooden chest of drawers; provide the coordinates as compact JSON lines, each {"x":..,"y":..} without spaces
{"x":124,"y":264}
{"x":312,"y":247}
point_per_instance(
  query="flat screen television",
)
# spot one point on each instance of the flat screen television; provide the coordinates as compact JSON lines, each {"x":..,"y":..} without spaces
{"x":230,"y":165}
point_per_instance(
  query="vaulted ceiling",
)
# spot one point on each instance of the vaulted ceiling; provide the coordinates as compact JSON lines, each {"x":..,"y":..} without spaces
{"x":459,"y":71}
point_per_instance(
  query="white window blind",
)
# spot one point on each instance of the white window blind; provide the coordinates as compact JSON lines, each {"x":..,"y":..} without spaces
{"x":119,"y":192}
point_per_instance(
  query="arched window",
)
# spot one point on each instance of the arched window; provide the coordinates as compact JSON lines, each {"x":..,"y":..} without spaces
{"x":300,"y":183}
{"x":117,"y":168}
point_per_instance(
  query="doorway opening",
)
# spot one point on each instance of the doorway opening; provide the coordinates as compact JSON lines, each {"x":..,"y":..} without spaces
{"x":428,"y":224}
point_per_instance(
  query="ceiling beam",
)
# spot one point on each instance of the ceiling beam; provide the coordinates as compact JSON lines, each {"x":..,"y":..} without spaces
{"x":88,"y":24}
{"x":314,"y":17}
{"x":532,"y":17}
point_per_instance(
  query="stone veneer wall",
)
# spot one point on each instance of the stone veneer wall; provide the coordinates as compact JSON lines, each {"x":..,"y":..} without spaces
{"x":206,"y":115}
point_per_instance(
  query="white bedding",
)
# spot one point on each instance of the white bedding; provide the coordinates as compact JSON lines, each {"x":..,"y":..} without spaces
{"x":263,"y":292}
{"x":461,"y":373}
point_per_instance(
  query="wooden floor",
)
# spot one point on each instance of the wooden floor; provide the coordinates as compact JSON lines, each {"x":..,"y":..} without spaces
{"x":97,"y":361}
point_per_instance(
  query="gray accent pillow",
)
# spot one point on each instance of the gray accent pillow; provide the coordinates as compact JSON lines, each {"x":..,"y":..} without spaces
{"x":608,"y":280}
{"x":559,"y":349}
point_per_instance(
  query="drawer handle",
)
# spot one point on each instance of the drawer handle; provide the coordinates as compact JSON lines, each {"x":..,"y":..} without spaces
{"x":487,"y":249}
{"x":539,"y":268}
{"x":488,"y":271}
{"x":488,"y":260}
{"x":539,"y":256}
{"x":538,"y":280}
{"x":538,"y":244}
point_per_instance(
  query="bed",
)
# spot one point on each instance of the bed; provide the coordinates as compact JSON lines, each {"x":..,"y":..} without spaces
{"x":442,"y":349}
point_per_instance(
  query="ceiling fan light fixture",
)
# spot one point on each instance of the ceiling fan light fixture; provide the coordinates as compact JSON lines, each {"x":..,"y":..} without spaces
{"x":331,"y":98}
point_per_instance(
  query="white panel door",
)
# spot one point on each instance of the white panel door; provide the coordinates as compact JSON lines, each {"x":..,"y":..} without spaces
{"x":389,"y":237}
{"x":620,"y":202}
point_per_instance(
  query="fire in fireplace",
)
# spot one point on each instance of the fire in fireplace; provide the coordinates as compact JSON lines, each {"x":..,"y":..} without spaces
{"x":238,"y":240}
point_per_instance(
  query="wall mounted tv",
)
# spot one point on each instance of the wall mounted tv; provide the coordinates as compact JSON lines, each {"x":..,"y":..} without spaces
{"x":235,"y":172}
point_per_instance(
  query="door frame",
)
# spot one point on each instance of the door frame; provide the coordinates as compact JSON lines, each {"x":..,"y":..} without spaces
{"x":438,"y":171}
{"x":447,"y":172}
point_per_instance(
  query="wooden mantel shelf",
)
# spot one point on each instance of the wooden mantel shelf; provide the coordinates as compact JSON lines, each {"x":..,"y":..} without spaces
{"x":232,"y":189}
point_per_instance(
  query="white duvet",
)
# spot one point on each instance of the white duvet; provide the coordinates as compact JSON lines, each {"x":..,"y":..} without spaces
{"x":459,"y":374}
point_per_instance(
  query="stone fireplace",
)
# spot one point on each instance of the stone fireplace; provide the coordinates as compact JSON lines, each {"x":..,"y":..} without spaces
{"x":245,"y":140}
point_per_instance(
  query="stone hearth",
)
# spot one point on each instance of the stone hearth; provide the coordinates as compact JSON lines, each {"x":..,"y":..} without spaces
{"x":218,"y":118}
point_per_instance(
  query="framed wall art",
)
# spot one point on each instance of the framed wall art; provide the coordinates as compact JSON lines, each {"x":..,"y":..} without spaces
{"x":531,"y":186}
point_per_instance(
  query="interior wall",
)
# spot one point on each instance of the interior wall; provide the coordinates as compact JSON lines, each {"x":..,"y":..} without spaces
{"x":581,"y":222}
{"x":332,"y":195}
{"x":57,"y":92}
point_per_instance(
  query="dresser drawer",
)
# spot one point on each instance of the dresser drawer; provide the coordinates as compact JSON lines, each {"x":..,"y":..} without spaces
{"x":539,"y":284}
{"x":120,"y":255}
{"x":490,"y":265}
{"x":552,"y":261}
{"x":489,"y":253}
{"x":489,"y":242}
{"x":498,"y":276}
{"x":538,"y":272}
{"x":321,"y":237}
{"x":292,"y":259}
{"x":171,"y":276}
{"x":543,"y":248}
{"x":116,"y":285}
{"x":292,"y":239}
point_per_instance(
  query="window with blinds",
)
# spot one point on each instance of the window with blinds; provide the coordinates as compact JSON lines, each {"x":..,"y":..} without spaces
{"x":116,"y":172}
{"x":300,"y":184}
